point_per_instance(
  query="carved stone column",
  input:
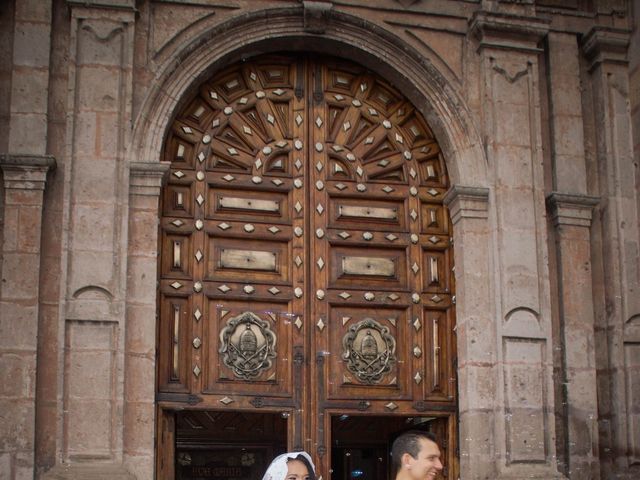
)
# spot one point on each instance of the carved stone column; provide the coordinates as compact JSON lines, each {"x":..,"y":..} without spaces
{"x":618,"y":333}
{"x":140,"y":341}
{"x":475,"y":330}
{"x":24,"y":183}
{"x":524,"y":422}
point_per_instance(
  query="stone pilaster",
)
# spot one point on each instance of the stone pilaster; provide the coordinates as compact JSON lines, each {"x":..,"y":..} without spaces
{"x":140,"y":341}
{"x":100,"y":84}
{"x":24,"y":183}
{"x":475,"y":330}
{"x":618,"y":350}
{"x":508,"y":46}
{"x":570,"y":210}
{"x":571,"y":215}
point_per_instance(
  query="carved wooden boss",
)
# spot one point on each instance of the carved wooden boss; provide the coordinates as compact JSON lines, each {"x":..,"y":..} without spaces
{"x":306,"y":253}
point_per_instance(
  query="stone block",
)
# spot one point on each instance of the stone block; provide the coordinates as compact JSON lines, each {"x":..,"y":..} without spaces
{"x":89,"y":426}
{"x":476,"y":340}
{"x":5,"y":465}
{"x":95,"y":180}
{"x":93,"y":227}
{"x":109,"y":134}
{"x":33,"y":11}
{"x":512,"y":125}
{"x":141,"y":279}
{"x":475,"y":299}
{"x":568,"y":135}
{"x":142,"y":203}
{"x":84,"y":137}
{"x":19,"y":278}
{"x":98,"y":89}
{"x":520,"y":278}
{"x":141,"y":328}
{"x":18,"y":326}
{"x":510,"y":82}
{"x":29,"y":229}
{"x":521,"y":321}
{"x":476,"y":427}
{"x":143,"y":233}
{"x":21,"y":197}
{"x":141,"y":466}
{"x":582,"y":393}
{"x":632,"y":360}
{"x":518,"y":253}
{"x":17,"y":425}
{"x":479,"y":379}
{"x":92,"y":304}
{"x":563,"y":54}
{"x":514,"y":166}
{"x":578,"y":348}
{"x":139,"y":428}
{"x":475,"y":258}
{"x":526,"y":442}
{"x":90,"y":336}
{"x":90,"y":374}
{"x":100,"y":42}
{"x":10,"y":229}
{"x":525,"y":403}
{"x":20,"y":370}
{"x":50,"y":271}
{"x":31,"y":45}
{"x":566,"y":97}
{"x":516,"y":209}
{"x":30,"y":91}
{"x":28,"y":133}
{"x":571,"y":173}
{"x":24,"y":466}
{"x":139,"y":371}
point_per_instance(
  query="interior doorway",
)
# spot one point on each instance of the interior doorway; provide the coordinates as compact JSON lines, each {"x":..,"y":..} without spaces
{"x":226,"y":445}
{"x":306,"y":261}
{"x":361,"y":445}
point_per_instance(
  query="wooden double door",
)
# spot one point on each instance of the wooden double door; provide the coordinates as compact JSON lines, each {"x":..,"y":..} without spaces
{"x":306,"y":259}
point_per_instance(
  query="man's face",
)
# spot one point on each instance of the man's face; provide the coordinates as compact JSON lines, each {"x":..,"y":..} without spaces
{"x":427,"y":465}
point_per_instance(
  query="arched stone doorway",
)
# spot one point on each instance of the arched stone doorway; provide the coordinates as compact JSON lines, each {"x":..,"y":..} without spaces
{"x":305,"y":273}
{"x":427,"y":90}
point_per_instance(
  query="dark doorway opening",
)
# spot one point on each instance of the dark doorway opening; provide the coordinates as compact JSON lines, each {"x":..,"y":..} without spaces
{"x":227,"y":445}
{"x":361,"y":445}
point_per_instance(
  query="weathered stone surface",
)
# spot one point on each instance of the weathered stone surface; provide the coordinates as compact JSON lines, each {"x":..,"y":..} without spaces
{"x":527,"y":99}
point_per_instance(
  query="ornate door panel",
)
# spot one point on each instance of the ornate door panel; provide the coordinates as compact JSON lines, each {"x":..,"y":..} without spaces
{"x":306,"y":257}
{"x":232,"y":268}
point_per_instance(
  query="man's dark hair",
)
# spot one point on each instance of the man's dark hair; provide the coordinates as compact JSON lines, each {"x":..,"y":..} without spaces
{"x":303,"y":459}
{"x":408,"y":442}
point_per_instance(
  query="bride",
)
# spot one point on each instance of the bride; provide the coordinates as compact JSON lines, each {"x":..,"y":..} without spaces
{"x":291,"y":466}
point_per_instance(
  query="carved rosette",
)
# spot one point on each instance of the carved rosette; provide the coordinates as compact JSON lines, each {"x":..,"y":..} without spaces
{"x":247,"y":345}
{"x":369,"y":351}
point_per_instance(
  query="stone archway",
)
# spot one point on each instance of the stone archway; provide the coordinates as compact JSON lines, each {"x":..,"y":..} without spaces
{"x":391,"y":58}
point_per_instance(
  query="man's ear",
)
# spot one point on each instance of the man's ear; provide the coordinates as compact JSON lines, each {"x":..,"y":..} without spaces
{"x":407,"y":460}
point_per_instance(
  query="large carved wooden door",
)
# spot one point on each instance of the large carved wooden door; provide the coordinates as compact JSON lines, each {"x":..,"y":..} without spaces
{"x":306,"y":258}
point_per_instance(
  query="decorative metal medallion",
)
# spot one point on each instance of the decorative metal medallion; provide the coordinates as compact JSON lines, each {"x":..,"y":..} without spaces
{"x":369,"y":351}
{"x":248,"y":345}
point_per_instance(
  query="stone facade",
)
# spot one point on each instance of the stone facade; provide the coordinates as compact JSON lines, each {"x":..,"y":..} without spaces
{"x":536,"y":105}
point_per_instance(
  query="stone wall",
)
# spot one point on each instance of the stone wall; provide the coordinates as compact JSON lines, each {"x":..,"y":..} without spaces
{"x":536,"y":105}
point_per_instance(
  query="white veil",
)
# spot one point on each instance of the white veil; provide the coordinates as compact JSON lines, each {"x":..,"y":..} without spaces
{"x":278,"y":468}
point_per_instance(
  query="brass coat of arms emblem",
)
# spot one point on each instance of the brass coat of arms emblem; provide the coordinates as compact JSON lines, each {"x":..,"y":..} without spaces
{"x":369,"y":351}
{"x":248,"y":345}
